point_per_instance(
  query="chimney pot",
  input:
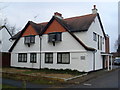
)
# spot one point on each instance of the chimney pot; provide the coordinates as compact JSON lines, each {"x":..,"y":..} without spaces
{"x":94,"y":10}
{"x":59,"y":15}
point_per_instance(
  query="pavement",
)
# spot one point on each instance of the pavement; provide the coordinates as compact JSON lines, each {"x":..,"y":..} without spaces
{"x":97,"y":79}
{"x":109,"y":80}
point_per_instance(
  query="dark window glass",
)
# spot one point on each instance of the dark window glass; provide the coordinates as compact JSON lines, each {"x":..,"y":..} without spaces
{"x":63,"y":58}
{"x":98,"y":43}
{"x":59,"y":36}
{"x":56,"y":36}
{"x":29,"y":39}
{"x":94,"y":36}
{"x":101,"y":42}
{"x":22,"y":57}
{"x":82,"y":57}
{"x":51,"y":37}
{"x":48,"y":57}
{"x":33,"y":57}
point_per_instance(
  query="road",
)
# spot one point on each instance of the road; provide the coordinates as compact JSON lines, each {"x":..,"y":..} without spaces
{"x":20,"y":84}
{"x":109,"y":80}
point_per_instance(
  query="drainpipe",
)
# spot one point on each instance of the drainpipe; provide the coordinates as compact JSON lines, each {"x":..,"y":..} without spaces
{"x":94,"y":59}
{"x":40,"y":49}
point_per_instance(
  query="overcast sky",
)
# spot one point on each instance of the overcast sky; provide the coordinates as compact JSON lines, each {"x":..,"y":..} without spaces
{"x":21,"y":12}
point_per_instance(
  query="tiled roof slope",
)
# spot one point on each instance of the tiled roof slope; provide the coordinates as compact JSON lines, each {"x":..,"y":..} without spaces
{"x":74,"y":24}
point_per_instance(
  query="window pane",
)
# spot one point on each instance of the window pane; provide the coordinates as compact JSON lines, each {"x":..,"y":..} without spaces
{"x":32,"y":38}
{"x":82,"y":57}
{"x":48,"y":57}
{"x":59,"y":58}
{"x":58,"y":37}
{"x":27,"y":39}
{"x":94,"y":36}
{"x":65,"y":58}
{"x":22,"y":57}
{"x":33,"y":57}
{"x":51,"y":37}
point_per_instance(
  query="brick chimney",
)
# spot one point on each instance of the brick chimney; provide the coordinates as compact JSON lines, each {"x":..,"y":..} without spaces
{"x":94,"y":10}
{"x":59,"y":15}
{"x":107,"y":46}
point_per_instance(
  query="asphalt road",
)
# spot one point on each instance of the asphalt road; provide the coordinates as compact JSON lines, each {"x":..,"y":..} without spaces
{"x":109,"y":80}
{"x":20,"y":84}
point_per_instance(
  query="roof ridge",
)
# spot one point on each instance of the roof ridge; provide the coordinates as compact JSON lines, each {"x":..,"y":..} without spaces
{"x":79,"y":16}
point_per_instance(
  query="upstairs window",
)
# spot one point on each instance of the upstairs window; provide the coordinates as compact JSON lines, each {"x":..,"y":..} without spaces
{"x":29,"y":39}
{"x":94,"y":36}
{"x":101,"y":39}
{"x":53,"y":37}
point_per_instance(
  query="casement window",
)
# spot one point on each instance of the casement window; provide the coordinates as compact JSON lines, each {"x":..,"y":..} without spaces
{"x":103,"y":40}
{"x":53,"y":37}
{"x":22,"y":57}
{"x":33,"y":57}
{"x":48,"y":57}
{"x":94,"y":36}
{"x":63,"y":58}
{"x":29,"y":39}
{"x":82,"y":57}
{"x":100,"y":42}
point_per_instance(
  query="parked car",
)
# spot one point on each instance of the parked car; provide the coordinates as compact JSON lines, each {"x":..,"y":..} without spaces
{"x":117,"y":61}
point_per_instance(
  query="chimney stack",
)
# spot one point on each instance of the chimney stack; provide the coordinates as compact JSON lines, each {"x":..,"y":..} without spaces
{"x":94,"y":10}
{"x":58,"y":15}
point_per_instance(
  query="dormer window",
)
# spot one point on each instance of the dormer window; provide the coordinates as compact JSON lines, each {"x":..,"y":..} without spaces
{"x":29,"y":39}
{"x":54,"y":37}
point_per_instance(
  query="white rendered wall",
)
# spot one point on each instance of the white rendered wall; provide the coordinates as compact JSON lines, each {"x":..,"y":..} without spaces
{"x":4,"y":37}
{"x":87,"y":36}
{"x":22,"y":48}
{"x":68,"y":44}
{"x":15,"y":63}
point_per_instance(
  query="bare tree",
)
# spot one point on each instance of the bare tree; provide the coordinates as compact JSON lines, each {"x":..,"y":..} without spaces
{"x":11,"y":28}
{"x":4,"y":21}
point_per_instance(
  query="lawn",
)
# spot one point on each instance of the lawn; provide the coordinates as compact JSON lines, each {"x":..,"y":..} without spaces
{"x":39,"y":76}
{"x":3,"y":86}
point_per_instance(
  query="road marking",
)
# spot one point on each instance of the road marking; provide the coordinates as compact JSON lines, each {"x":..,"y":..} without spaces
{"x":87,"y":84}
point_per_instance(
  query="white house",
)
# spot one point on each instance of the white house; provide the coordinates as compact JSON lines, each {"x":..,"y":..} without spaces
{"x":5,"y":35}
{"x":76,"y":43}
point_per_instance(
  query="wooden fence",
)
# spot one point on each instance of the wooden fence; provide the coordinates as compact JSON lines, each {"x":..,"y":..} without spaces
{"x":5,"y":59}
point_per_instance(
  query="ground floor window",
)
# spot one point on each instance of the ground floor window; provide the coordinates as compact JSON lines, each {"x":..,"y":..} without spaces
{"x":63,"y":58}
{"x":22,"y":57}
{"x":33,"y":57}
{"x":48,"y":57}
